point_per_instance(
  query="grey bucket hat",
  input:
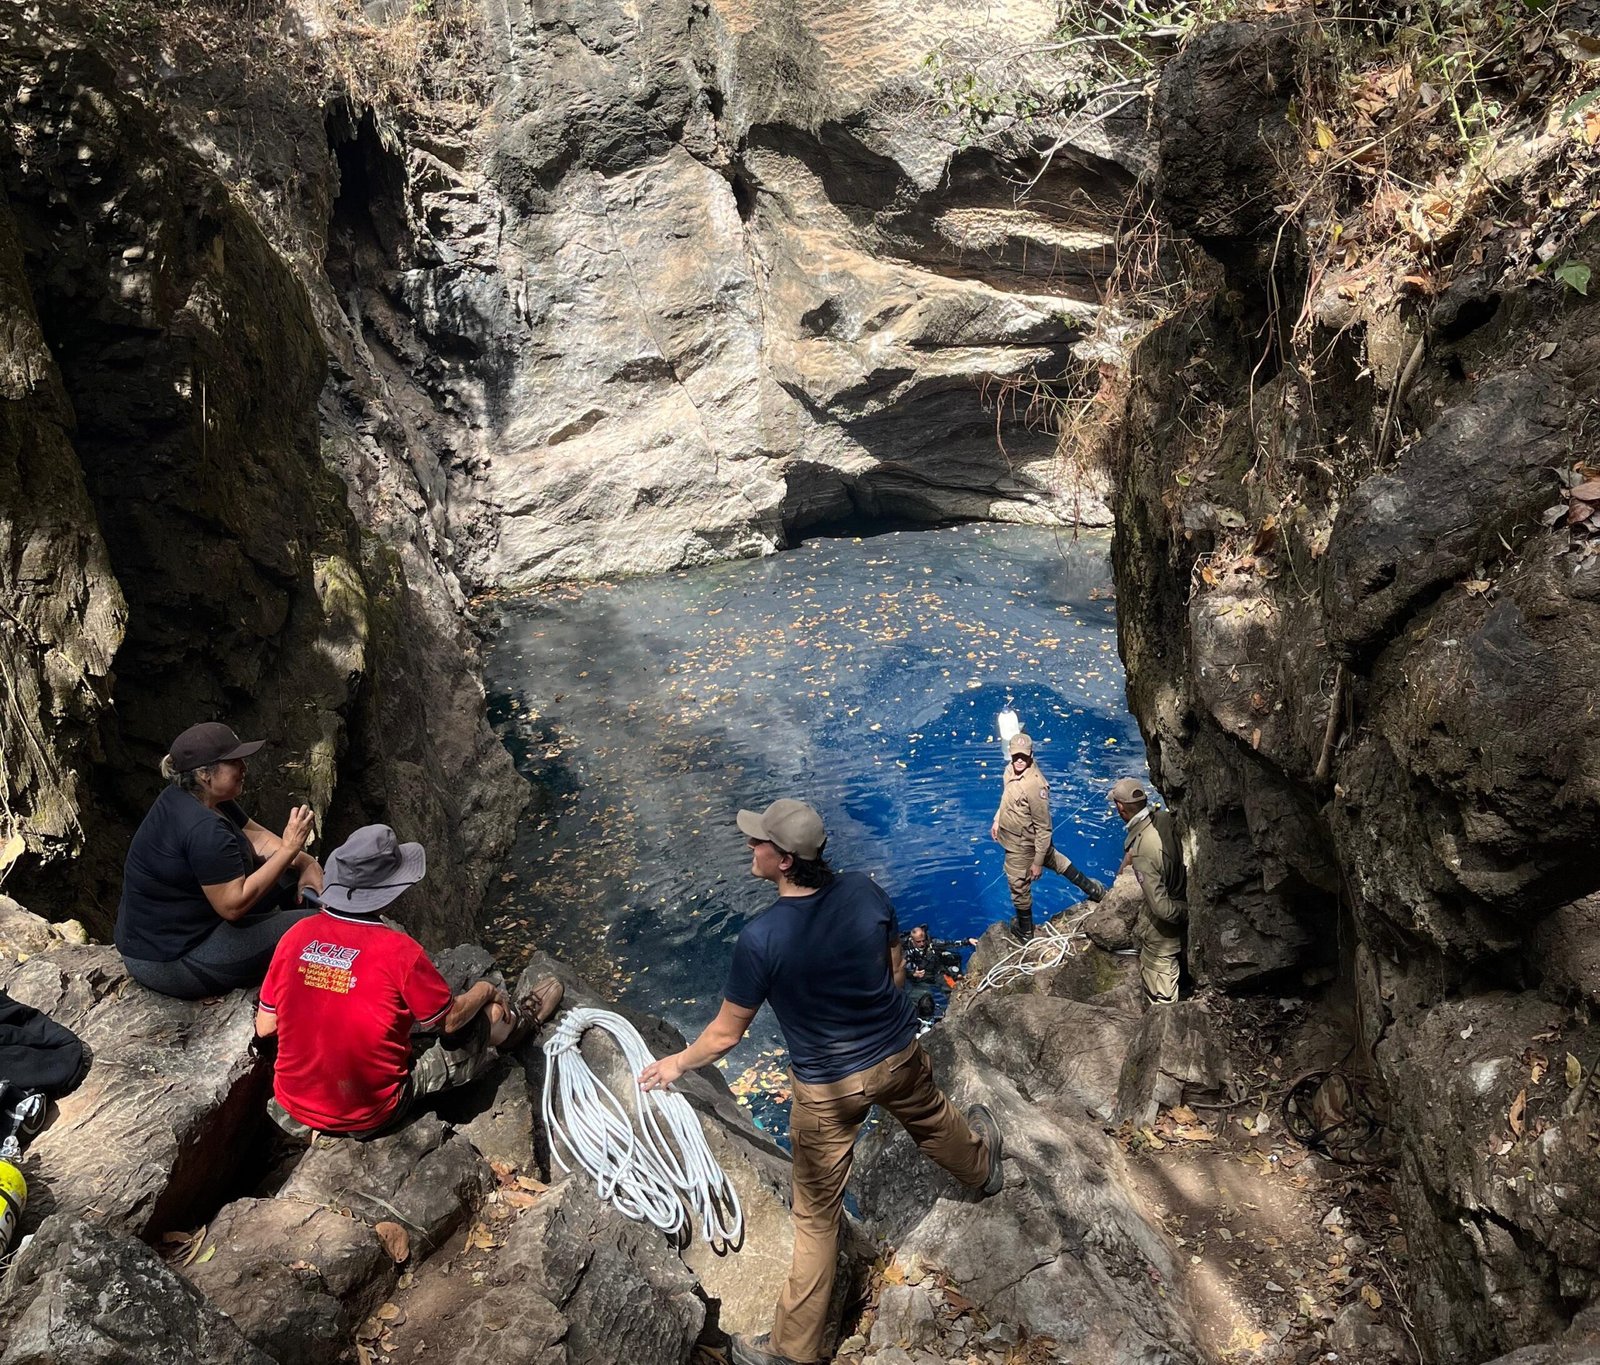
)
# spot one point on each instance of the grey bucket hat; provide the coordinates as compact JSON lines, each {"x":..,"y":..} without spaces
{"x":370,"y":869}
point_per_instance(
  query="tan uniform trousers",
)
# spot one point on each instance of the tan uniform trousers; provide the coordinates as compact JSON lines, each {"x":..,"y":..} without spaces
{"x":823,"y":1123}
{"x":1160,"y":945}
{"x":1018,"y":868}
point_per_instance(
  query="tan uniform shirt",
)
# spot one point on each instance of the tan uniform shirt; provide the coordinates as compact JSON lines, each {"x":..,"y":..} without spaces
{"x":1024,"y":815}
{"x":1142,"y":851}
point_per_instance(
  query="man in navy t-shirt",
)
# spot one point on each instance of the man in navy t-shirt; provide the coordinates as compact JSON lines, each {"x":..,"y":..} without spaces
{"x":827,"y":957}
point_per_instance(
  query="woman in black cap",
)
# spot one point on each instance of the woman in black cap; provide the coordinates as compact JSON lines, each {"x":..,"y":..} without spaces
{"x":206,"y":891}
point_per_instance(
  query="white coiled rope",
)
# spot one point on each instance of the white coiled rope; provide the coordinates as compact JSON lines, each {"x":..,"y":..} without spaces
{"x":1049,"y":948}
{"x":660,"y":1171}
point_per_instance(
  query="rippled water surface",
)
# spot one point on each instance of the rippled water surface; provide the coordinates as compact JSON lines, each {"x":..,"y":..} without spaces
{"x":863,"y":676}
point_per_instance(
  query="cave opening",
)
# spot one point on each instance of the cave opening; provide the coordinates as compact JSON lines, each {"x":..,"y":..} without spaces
{"x":368,"y":232}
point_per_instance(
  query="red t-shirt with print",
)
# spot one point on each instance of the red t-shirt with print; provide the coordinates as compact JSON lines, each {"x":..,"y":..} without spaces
{"x":346,"y":990}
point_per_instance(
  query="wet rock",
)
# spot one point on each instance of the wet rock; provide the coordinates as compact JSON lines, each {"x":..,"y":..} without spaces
{"x":1064,"y":1249}
{"x":81,"y":1292}
{"x":1176,"y":1054}
{"x":169,"y":1108}
{"x":424,"y":1175}
{"x":296,"y":1278}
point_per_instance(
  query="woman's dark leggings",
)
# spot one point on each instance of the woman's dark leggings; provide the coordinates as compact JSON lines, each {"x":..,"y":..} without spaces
{"x":231,"y":955}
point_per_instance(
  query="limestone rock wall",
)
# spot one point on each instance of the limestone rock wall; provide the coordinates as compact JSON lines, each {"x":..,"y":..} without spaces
{"x":176,"y":504}
{"x":1361,"y":661}
{"x":707,"y":275}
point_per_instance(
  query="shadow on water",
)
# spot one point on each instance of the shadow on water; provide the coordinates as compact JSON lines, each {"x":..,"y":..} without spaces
{"x":862,"y":675}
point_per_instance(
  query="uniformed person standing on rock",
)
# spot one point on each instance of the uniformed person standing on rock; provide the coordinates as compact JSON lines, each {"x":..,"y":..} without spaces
{"x":1150,"y":848}
{"x":1022,"y":827}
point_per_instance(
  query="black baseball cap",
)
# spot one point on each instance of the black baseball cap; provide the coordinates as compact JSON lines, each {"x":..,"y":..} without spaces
{"x":207,"y":743}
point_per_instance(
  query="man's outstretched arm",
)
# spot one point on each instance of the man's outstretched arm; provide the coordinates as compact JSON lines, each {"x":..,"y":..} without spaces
{"x":717,"y":1039}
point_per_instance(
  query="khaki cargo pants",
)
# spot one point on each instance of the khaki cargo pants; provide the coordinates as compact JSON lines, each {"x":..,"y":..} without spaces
{"x":437,"y":1064}
{"x":1160,"y":947}
{"x":823,"y":1123}
{"x":1019,"y":867}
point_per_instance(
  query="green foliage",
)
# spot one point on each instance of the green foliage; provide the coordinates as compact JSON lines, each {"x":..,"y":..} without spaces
{"x":1097,"y":48}
{"x":1575,"y":275}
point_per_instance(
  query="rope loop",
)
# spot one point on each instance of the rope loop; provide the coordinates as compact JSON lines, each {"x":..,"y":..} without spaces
{"x":655,"y":1167}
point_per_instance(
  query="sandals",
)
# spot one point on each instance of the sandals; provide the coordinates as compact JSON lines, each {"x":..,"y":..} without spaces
{"x":532,"y":1011}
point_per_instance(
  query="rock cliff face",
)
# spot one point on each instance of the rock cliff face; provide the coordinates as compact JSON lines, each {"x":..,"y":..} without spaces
{"x":307,"y":333}
{"x":756,"y":283}
{"x":1363,"y":666}
{"x":176,"y":506}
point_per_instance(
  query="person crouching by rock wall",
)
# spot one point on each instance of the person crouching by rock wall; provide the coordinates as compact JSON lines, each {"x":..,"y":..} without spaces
{"x":1150,"y":848}
{"x":1022,"y":827}
{"x":345,"y":990}
{"x":206,"y":891}
{"x":827,"y":957}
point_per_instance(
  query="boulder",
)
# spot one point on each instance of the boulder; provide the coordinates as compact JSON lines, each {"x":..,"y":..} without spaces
{"x":619,"y":1284}
{"x":1177,"y":1053}
{"x":905,"y":1318}
{"x":1498,"y":1190}
{"x":1066,"y":1249}
{"x":1063,"y":1051}
{"x":170,"y":1109}
{"x":84,"y":1293}
{"x":296,"y":1278}
{"x":741,"y":1284}
{"x":424,"y":1176}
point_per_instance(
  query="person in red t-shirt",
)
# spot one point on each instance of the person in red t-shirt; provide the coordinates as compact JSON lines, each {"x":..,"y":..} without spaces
{"x":345,"y":990}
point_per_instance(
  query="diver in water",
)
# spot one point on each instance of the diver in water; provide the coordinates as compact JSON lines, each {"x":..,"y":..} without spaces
{"x":932,"y":966}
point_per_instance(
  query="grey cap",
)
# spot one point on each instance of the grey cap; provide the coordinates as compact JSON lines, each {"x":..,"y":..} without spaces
{"x":370,"y":869}
{"x":1021,"y":744}
{"x":791,"y":825}
{"x":1128,"y":791}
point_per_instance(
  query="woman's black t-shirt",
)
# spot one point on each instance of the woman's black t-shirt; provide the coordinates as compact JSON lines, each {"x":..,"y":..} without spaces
{"x":181,"y":846}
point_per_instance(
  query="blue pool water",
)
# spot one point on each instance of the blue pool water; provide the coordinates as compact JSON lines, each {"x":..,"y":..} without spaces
{"x":863,"y":676}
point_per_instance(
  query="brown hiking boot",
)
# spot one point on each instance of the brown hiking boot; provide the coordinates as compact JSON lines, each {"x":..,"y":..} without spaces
{"x":532,"y":1011}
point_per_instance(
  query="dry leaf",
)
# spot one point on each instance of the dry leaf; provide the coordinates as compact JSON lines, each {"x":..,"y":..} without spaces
{"x":1519,"y":1109}
{"x":1574,"y":1072}
{"x":892,"y":1274}
{"x":527,"y":1182}
{"x":1194,"y":1133}
{"x":1183,"y":1114}
{"x":960,"y":1302}
{"x":1371,"y":1297}
{"x":194,"y":1246}
{"x":363,"y":1356}
{"x":1538,"y":1065}
{"x":519,"y":1199}
{"x":206,"y":1255}
{"x":1476,"y":587}
{"x":396,"y":1241}
{"x":1324,"y":136}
